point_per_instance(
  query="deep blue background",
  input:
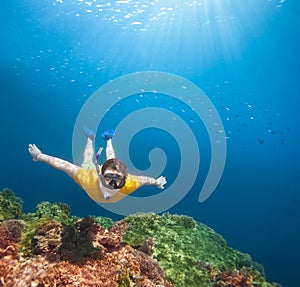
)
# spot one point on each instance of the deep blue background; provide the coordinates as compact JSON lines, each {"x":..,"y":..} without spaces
{"x":243,"y":54}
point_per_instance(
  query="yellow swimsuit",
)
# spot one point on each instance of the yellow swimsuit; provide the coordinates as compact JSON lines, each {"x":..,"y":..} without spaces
{"x":88,"y":180}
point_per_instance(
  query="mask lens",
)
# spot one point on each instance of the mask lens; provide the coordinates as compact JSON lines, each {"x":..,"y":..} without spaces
{"x":114,"y":180}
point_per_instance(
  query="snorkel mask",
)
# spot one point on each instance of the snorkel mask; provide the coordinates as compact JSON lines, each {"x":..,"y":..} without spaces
{"x":112,"y":180}
{"x":109,"y":182}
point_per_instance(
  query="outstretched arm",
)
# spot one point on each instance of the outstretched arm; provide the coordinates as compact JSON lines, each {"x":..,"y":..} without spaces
{"x":69,"y":168}
{"x":159,"y":182}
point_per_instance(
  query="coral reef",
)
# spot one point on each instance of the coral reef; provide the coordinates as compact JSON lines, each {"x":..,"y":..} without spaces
{"x":52,"y":248}
{"x":10,"y":205}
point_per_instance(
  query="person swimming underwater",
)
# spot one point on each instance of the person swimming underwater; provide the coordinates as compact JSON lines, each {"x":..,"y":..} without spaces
{"x":109,"y":182}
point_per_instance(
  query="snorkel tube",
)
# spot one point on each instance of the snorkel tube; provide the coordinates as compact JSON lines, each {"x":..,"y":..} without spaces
{"x":105,"y":194}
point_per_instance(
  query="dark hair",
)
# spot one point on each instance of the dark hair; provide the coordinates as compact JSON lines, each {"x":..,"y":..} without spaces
{"x":116,"y":165}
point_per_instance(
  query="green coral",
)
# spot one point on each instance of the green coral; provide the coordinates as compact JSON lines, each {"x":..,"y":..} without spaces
{"x":183,"y":248}
{"x":103,"y":221}
{"x":26,"y":242}
{"x":10,"y":205}
{"x":124,"y":280}
{"x":55,"y":211}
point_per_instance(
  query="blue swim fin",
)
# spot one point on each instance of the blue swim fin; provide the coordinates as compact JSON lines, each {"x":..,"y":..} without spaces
{"x":106,"y":135}
{"x":88,"y":133}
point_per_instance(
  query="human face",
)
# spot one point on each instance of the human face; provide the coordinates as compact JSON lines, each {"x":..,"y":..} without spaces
{"x":113,"y":180}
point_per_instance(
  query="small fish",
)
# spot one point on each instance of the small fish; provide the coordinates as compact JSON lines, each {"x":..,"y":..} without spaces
{"x":260,"y":141}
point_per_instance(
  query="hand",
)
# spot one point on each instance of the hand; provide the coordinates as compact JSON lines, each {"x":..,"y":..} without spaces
{"x":34,"y":151}
{"x":160,"y":182}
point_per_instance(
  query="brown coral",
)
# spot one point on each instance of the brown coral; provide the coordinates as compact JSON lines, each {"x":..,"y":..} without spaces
{"x":110,"y":238}
{"x":14,"y":227}
{"x":47,"y":238}
{"x":10,"y":232}
{"x":149,"y":268}
{"x":147,"y":246}
{"x":8,"y":243}
{"x":233,"y":279}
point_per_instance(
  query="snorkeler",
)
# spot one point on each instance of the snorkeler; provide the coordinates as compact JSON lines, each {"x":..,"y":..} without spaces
{"x":107,"y":183}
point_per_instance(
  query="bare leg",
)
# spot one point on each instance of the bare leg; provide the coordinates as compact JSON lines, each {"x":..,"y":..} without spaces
{"x":110,"y":153}
{"x":88,"y":152}
{"x":60,"y":164}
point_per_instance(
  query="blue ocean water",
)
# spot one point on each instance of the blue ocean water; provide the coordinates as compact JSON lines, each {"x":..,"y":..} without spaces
{"x":245,"y":57}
